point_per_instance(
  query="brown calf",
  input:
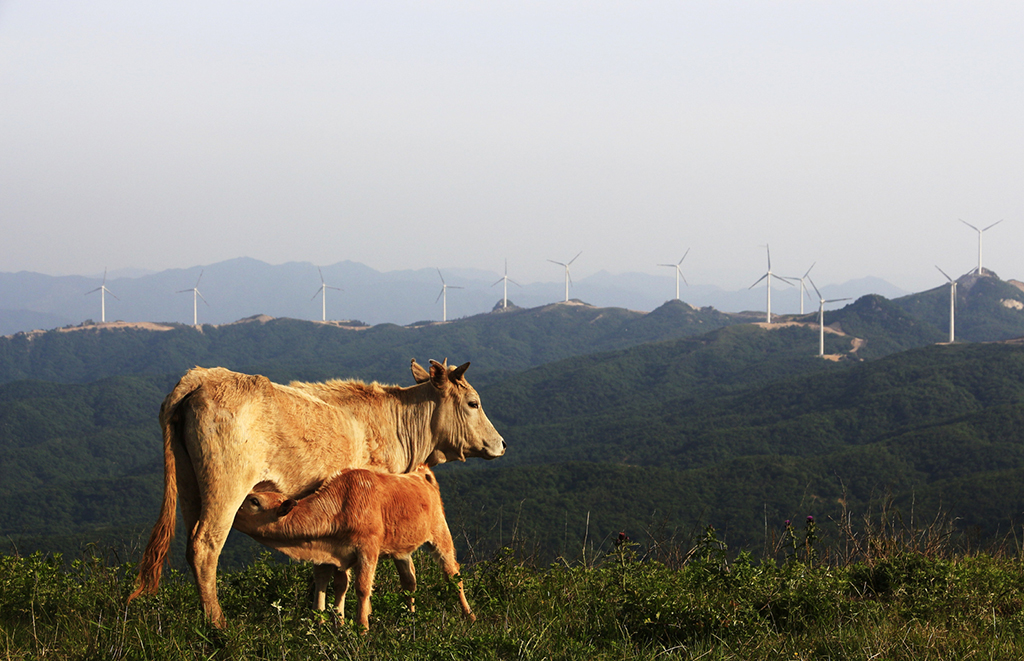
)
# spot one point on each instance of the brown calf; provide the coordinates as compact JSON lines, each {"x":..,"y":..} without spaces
{"x":352,"y":520}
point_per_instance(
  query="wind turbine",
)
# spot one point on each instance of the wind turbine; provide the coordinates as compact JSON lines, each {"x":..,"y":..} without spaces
{"x":102,"y":289}
{"x":444,"y":294}
{"x":952,"y":306}
{"x":803,"y":287}
{"x":506,"y":280}
{"x":980,"y":232}
{"x":679,"y":273}
{"x":768,"y":278}
{"x":195,"y":299}
{"x":323,"y":290}
{"x":568,"y":279}
{"x":821,"y":317}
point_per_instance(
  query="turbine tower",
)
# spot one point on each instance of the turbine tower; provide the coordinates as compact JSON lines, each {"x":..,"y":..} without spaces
{"x":444,"y":294}
{"x":767,"y":277}
{"x":102,"y":289}
{"x":952,"y":306}
{"x":568,"y":279}
{"x":322,"y":291}
{"x":679,"y":273}
{"x":803,"y":287}
{"x":980,"y":233}
{"x":506,"y":280}
{"x":195,"y":299}
{"x":821,"y":317}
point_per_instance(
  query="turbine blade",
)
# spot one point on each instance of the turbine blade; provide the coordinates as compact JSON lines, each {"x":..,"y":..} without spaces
{"x":836,"y":300}
{"x":574,"y":258}
{"x":440,"y":276}
{"x":684,"y":256}
{"x":944,"y":273}
{"x":440,"y":295}
{"x":809,"y":270}
{"x":815,"y":289}
{"x":201,"y":296}
{"x":758,"y":281}
{"x":321,"y":274}
{"x":499,"y":280}
{"x":969,"y":225}
{"x":786,"y":280}
{"x":984,"y":230}
{"x":197,"y":281}
{"x":111,"y":293}
{"x":554,"y":262}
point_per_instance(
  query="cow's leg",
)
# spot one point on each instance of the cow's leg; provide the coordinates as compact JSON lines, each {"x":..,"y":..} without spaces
{"x":188,"y":497}
{"x":322,"y":575}
{"x":407,"y":576}
{"x":366,"y":569}
{"x":444,"y":551}
{"x":220,"y":503}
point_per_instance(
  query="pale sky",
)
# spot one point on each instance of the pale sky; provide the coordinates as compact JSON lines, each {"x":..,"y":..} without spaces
{"x":459,"y":134}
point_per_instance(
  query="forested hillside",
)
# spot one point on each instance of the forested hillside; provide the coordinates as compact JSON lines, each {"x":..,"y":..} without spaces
{"x":283,"y":349}
{"x":741,"y":427}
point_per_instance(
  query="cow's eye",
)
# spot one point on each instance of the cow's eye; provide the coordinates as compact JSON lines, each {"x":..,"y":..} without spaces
{"x":254,"y":501}
{"x":473,"y":404}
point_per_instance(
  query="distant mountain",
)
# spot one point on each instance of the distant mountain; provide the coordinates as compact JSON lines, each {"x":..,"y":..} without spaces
{"x":243,"y":287}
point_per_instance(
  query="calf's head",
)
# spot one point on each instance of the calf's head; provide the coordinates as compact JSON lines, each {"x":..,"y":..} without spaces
{"x":261,"y":509}
{"x":459,"y":426}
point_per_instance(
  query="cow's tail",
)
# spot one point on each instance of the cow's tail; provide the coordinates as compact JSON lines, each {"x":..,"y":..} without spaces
{"x":152,"y":566}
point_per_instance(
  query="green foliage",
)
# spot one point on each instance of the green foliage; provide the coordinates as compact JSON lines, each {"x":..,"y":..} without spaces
{"x":903,"y":604}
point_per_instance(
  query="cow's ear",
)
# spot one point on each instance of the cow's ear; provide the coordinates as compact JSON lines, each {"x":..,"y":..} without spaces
{"x":286,"y":507}
{"x":458,"y":372}
{"x":439,"y":374}
{"x":419,"y":374}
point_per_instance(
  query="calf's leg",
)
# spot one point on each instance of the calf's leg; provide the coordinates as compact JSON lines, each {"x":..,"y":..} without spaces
{"x":366,"y":569}
{"x":407,"y":576}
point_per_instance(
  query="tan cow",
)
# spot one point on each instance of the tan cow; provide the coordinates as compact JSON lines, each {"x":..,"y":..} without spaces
{"x":351,"y":521}
{"x":226,"y":432}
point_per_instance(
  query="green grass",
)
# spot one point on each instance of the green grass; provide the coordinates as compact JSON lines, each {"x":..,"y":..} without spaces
{"x":888,"y":594}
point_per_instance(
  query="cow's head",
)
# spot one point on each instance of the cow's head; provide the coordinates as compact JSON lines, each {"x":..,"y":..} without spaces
{"x":260,"y":509}
{"x":459,"y":426}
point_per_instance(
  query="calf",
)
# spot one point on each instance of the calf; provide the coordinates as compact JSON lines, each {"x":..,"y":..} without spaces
{"x":353,"y":519}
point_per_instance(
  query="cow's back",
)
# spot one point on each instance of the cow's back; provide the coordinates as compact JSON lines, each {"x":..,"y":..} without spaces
{"x":246,"y":426}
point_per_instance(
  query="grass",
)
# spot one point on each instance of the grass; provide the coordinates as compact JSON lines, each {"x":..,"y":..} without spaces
{"x":888,"y":593}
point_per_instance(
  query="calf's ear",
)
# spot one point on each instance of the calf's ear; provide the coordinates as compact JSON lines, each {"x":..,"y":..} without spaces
{"x":286,"y":507}
{"x":419,"y":374}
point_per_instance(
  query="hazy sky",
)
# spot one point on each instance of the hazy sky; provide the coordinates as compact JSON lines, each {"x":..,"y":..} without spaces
{"x":459,"y":134}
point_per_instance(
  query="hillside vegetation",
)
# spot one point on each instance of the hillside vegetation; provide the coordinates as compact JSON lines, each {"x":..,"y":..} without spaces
{"x":496,"y":343}
{"x":741,"y":427}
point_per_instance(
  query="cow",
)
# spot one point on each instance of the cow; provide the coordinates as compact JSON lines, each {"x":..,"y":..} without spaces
{"x":351,"y":521}
{"x":225,"y":432}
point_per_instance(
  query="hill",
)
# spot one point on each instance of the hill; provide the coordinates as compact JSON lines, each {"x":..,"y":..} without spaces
{"x":497,"y":343}
{"x":987,"y":308}
{"x":738,"y":427}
